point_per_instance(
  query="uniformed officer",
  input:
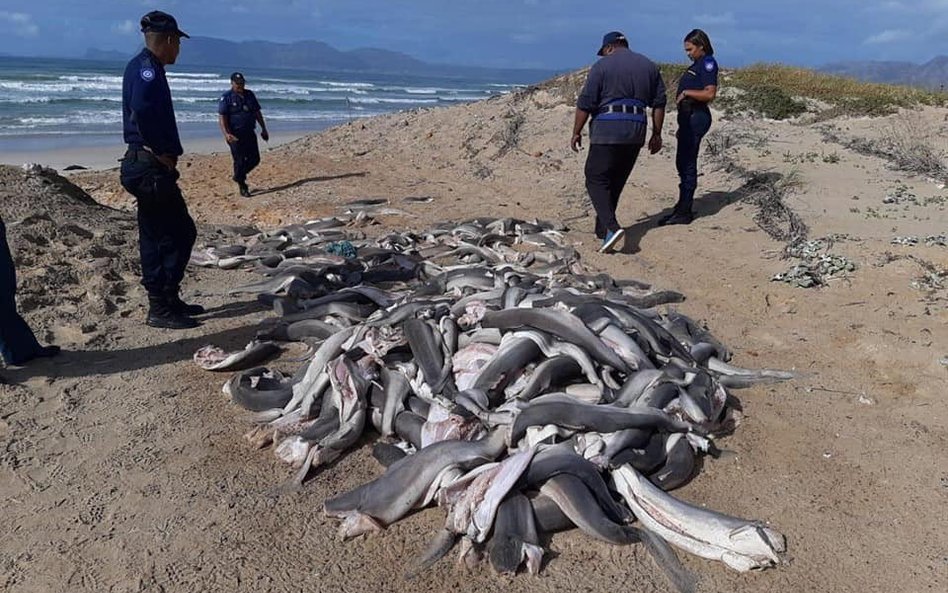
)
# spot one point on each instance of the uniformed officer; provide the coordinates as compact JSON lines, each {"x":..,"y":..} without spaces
{"x":239,"y":113}
{"x":697,"y":88}
{"x":149,"y":172}
{"x":618,"y":90}
{"x":18,"y":345}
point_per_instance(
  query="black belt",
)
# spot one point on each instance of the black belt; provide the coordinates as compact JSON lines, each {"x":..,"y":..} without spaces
{"x":622,"y":109}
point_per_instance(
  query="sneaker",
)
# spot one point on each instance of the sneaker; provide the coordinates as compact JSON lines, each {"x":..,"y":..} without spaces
{"x":612,"y":238}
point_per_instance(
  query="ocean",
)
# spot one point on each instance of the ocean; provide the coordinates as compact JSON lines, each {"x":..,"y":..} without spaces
{"x":47,"y":104}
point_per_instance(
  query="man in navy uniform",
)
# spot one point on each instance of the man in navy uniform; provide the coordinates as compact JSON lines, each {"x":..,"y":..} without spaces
{"x":239,"y":113}
{"x":619,"y":88}
{"x":149,"y":172}
{"x":18,"y":345}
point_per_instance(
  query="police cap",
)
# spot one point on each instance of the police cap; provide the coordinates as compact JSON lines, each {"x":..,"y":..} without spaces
{"x":610,"y":37}
{"x":161,"y":22}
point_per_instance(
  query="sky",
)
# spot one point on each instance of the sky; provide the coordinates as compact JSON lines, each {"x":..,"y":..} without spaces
{"x":548,"y":34}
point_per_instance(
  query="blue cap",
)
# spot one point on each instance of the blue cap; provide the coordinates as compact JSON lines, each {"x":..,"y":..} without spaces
{"x":610,"y":37}
{"x":161,"y":22}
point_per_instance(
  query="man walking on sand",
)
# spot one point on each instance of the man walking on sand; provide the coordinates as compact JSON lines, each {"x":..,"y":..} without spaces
{"x":239,"y":113}
{"x":149,"y":172}
{"x":618,"y":89}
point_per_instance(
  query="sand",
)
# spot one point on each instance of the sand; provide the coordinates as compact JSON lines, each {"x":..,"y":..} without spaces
{"x":122,"y":467}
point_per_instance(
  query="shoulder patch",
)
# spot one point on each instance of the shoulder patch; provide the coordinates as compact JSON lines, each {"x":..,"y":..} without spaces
{"x":148,"y":74}
{"x":710,"y":65}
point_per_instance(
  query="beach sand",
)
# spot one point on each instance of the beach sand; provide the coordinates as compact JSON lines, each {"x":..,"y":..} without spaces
{"x":123,"y":468}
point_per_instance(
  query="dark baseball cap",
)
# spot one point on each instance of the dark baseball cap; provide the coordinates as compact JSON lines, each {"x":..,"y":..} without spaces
{"x":161,"y":22}
{"x":237,"y":77}
{"x":610,"y":37}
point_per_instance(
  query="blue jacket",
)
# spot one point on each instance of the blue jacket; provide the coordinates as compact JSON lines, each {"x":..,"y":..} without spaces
{"x":702,"y":72}
{"x":622,"y":75}
{"x":241,"y":111}
{"x":147,"y":113}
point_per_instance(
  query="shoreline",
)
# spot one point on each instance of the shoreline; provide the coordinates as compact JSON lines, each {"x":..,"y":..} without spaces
{"x":106,"y":156}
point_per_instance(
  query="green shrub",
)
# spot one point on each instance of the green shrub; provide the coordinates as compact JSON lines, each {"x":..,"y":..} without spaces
{"x":772,"y":102}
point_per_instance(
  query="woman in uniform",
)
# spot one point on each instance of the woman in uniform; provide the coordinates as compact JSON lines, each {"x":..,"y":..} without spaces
{"x":697,"y":88}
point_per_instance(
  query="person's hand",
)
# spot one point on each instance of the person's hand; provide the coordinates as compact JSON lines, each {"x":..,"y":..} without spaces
{"x":167,"y":160}
{"x":655,"y":143}
{"x":576,"y":142}
{"x":681,"y":97}
{"x":265,"y":135}
{"x":230,"y":138}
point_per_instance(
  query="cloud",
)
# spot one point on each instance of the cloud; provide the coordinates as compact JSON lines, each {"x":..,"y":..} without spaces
{"x":724,"y":19}
{"x":125,"y":28}
{"x":888,"y":36}
{"x":21,"y":23}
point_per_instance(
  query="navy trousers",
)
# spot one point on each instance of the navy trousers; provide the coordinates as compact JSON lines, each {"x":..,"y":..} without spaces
{"x":166,"y":231}
{"x":246,"y":154}
{"x":608,"y":167}
{"x":692,"y":126}
{"x":17,"y":342}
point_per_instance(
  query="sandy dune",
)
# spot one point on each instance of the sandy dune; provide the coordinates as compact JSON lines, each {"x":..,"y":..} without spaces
{"x":122,"y":467}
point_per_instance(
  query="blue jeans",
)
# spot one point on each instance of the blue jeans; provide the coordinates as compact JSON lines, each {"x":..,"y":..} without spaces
{"x":692,"y":126}
{"x":17,"y":342}
{"x":166,"y":231}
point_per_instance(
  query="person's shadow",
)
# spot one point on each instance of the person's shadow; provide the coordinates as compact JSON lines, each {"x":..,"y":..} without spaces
{"x":86,"y":363}
{"x":300,"y":182}
{"x":229,"y":310}
{"x":708,"y":204}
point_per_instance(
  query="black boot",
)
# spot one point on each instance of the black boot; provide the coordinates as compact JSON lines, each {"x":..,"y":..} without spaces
{"x":178,"y":306}
{"x":683,"y":217}
{"x":161,"y":315}
{"x":244,"y":190}
{"x":681,"y":214}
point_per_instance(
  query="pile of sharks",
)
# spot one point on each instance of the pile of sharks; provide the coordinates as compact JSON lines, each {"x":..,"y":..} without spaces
{"x":499,"y":381}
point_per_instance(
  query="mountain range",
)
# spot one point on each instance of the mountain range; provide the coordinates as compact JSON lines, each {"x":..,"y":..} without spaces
{"x":316,"y":55}
{"x":932,"y":74}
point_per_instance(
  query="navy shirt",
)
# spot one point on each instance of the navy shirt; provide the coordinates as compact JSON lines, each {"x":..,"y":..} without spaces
{"x":240,"y":110}
{"x":703,"y":72}
{"x":147,"y":112}
{"x":623,"y":74}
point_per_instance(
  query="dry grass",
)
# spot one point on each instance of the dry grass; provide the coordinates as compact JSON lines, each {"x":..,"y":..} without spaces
{"x":905,"y":144}
{"x":847,"y":95}
{"x":911,"y":149}
{"x":768,"y":192}
{"x":776,"y":91}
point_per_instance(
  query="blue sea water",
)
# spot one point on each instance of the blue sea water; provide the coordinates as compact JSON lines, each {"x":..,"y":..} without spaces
{"x":47,"y":104}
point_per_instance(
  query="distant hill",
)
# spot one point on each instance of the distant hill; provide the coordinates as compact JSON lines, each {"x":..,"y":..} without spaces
{"x":932,"y":74}
{"x":316,"y":55}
